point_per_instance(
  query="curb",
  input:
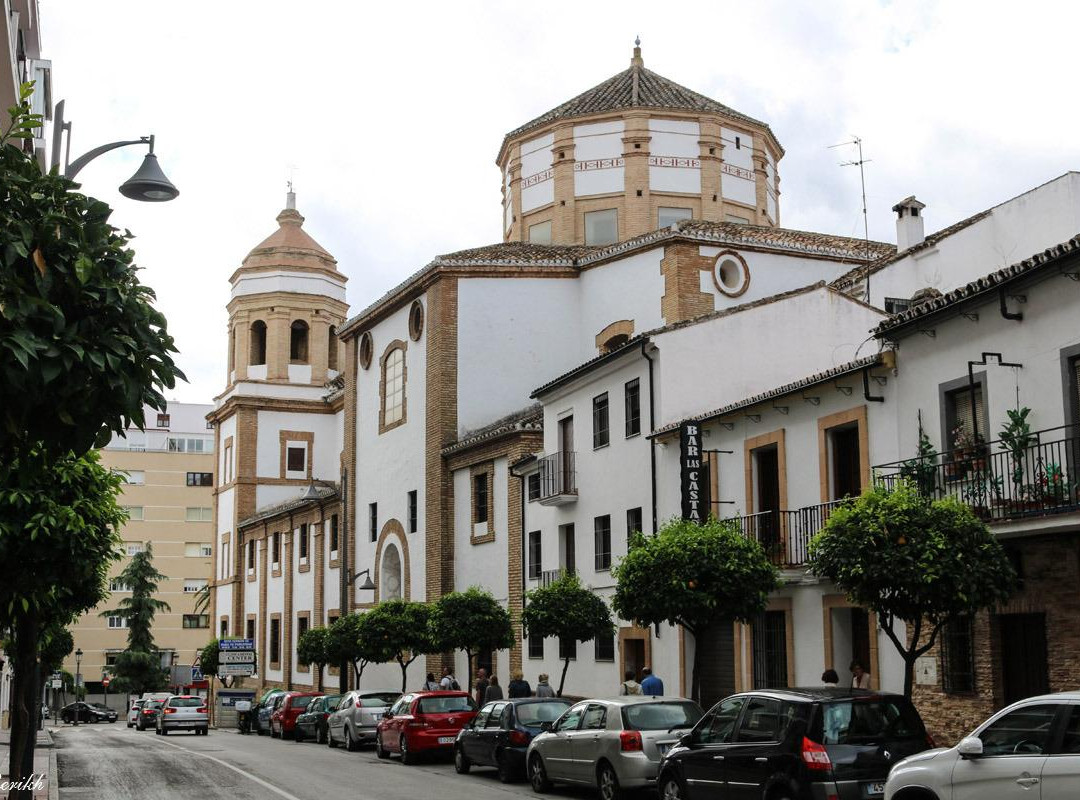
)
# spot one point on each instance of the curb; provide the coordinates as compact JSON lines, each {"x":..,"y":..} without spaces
{"x":54,"y":777}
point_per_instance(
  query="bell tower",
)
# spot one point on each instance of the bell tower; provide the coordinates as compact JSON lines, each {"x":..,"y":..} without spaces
{"x":287,"y":302}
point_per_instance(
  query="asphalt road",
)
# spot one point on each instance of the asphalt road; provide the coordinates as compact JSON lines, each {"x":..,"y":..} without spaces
{"x":112,"y":762}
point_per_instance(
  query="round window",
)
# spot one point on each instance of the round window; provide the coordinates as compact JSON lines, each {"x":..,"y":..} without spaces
{"x":730,"y":273}
{"x":366,"y":349}
{"x":416,"y":320}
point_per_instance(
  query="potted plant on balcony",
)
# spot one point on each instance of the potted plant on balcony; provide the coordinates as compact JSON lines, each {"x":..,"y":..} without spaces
{"x":922,"y":469}
{"x":1016,"y":437}
{"x":960,"y":457}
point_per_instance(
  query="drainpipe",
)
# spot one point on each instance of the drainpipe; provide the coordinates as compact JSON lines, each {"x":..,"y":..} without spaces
{"x":1017,"y":315}
{"x":866,"y":388}
{"x":652,"y":427}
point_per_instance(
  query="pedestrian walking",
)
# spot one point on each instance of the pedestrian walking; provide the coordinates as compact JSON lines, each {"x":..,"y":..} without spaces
{"x":830,"y":678}
{"x":630,"y":686}
{"x":430,"y":684}
{"x":448,"y":683}
{"x":518,"y":686}
{"x":650,"y":684}
{"x":860,"y":678}
{"x":480,"y":687}
{"x":543,"y":688}
{"x":494,"y":691}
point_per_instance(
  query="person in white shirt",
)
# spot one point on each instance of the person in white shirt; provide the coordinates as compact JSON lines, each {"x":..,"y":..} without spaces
{"x":860,"y":678}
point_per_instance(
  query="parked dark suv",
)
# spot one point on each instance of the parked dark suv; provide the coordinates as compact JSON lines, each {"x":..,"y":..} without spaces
{"x":797,"y":744}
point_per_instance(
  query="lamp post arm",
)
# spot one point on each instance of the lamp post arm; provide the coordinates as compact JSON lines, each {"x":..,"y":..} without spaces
{"x":75,"y":166}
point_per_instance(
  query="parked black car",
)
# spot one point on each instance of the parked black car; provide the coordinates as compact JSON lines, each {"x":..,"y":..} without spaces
{"x":86,"y":712}
{"x":795,"y":743}
{"x":148,"y":715}
{"x":312,"y":723}
{"x":499,"y":734}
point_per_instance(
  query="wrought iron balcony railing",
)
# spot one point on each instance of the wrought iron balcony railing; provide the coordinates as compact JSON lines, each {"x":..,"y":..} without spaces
{"x":557,"y":479}
{"x":785,"y":535}
{"x":1001,"y":480}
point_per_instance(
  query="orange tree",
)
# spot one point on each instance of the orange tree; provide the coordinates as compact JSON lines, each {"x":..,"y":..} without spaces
{"x":912,"y":559}
{"x":696,"y":576}
{"x":472,"y":621}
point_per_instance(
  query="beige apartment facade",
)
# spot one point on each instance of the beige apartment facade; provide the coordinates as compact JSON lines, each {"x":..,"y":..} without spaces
{"x":169,"y":496}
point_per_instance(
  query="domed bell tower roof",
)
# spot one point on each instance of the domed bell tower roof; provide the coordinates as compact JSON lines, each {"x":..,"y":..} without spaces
{"x":289,"y":247}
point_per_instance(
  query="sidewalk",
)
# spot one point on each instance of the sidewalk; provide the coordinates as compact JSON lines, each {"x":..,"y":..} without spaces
{"x":44,"y":761}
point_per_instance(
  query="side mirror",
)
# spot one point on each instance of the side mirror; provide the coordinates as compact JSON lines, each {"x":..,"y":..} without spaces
{"x":684,"y":740}
{"x":970,"y":747}
{"x":387,"y":714}
{"x":546,"y":726}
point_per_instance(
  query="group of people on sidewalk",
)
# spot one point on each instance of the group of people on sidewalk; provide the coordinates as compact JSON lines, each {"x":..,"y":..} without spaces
{"x":860,"y":678}
{"x":650,"y":684}
{"x":487,"y":688}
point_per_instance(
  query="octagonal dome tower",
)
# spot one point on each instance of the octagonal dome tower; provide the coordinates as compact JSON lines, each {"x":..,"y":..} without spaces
{"x":633,"y":154}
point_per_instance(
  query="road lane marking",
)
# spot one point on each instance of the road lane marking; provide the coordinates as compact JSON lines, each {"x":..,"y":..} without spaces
{"x":236,"y":769}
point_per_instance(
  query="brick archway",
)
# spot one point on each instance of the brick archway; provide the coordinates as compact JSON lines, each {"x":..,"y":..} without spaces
{"x":392,"y":531}
{"x":620,"y":331}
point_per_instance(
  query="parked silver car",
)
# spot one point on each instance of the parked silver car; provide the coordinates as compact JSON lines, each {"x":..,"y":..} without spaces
{"x":611,"y":744}
{"x":134,"y":712}
{"x":183,"y":712}
{"x":353,"y":722}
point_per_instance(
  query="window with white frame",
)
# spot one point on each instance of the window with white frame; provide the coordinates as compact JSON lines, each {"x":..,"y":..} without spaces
{"x":134,"y":548}
{"x":190,"y":444}
{"x":197,"y":550}
{"x":117,"y":585}
{"x":394,"y":386}
{"x":134,"y":477}
{"x":296,"y":457}
{"x":198,"y":514}
{"x":134,"y":512}
{"x":117,"y":622}
{"x":194,"y":585}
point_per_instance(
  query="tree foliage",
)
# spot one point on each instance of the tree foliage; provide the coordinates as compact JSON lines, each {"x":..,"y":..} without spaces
{"x":568,"y":611}
{"x":397,"y":630}
{"x":208,"y":658}
{"x":138,"y":669}
{"x":472,"y":621}
{"x":910,"y":558}
{"x":56,"y":644}
{"x":697,"y":576}
{"x":82,"y":347}
{"x":347,"y":644}
{"x":311,"y":648}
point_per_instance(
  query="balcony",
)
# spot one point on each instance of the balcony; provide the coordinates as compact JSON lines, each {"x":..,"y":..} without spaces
{"x":549,"y":576}
{"x":785,"y":535}
{"x":998,"y":482}
{"x":557,"y":479}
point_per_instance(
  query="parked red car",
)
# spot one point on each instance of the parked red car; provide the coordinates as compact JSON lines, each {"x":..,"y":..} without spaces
{"x":423,"y":722}
{"x":283,"y":720}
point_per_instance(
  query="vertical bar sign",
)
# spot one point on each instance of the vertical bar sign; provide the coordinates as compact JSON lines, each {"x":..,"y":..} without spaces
{"x":692,"y":474}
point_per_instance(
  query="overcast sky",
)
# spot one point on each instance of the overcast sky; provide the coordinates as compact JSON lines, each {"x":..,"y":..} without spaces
{"x":390,"y":116}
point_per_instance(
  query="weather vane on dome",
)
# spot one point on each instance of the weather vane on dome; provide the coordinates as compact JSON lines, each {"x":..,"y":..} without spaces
{"x":637,"y":41}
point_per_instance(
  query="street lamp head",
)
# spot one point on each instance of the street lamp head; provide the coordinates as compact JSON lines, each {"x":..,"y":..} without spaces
{"x":149,"y":184}
{"x":78,"y":653}
{"x":367,"y":585}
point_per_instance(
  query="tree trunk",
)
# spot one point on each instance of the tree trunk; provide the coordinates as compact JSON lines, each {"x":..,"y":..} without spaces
{"x":26,"y":706}
{"x":343,"y":677}
{"x":468,"y":671}
{"x":318,"y":685}
{"x":700,"y":641}
{"x":562,"y":680}
{"x":909,"y":670}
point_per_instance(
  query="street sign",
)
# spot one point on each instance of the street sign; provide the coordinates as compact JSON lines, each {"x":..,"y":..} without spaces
{"x":238,"y":670}
{"x":57,"y":676}
{"x":196,"y":673}
{"x":57,"y":684}
{"x":105,"y":682}
{"x":236,"y":657}
{"x":236,"y":644}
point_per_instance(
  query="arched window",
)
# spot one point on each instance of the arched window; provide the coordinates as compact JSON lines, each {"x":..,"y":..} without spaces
{"x":393,"y":387}
{"x":331,"y":353}
{"x":258,"y":343}
{"x":298,"y":342}
{"x":616,"y":341}
{"x":390,"y":574}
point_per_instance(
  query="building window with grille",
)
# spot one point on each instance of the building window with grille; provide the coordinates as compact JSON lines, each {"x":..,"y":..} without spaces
{"x":303,"y":546}
{"x":303,"y":622}
{"x":602,"y":540}
{"x":533,"y":486}
{"x":412,"y":511}
{"x":275,"y":642}
{"x":536,"y":646}
{"x":196,"y":621}
{"x":118,"y":622}
{"x":604,"y":647}
{"x":251,"y":555}
{"x":334,"y":533}
{"x":200,"y":479}
{"x":601,"y":431}
{"x":275,"y":549}
{"x":249,"y":629}
{"x":632,"y":405}
{"x":958,"y":656}
{"x":373,"y":521}
{"x":567,"y":649}
{"x":480,"y":497}
{"x":194,"y":585}
{"x":633,"y":523}
{"x":534,"y":555}
{"x":296,"y":459}
{"x":770,"y":656}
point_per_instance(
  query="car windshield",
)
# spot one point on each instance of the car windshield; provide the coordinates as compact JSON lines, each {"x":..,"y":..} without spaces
{"x":380,"y":700}
{"x":330,"y":702}
{"x":868,"y":721}
{"x":186,"y":702}
{"x":155,"y":704}
{"x":534,"y":714}
{"x":302,"y":701}
{"x":444,"y":705}
{"x":660,"y":716}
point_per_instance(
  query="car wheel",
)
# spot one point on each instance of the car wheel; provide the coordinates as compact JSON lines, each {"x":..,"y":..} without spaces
{"x":671,"y":788}
{"x":130,"y":725}
{"x":298,"y":734}
{"x":164,"y":731}
{"x":461,"y":761}
{"x":608,"y":782}
{"x":538,"y":775}
{"x":502,"y":765}
{"x":406,"y":755}
{"x":380,"y":751}
{"x":350,"y":743}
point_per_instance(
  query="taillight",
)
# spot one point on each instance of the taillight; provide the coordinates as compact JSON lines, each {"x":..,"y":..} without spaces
{"x":358,"y":705}
{"x":170,"y":710}
{"x":630,"y":741}
{"x":815,"y":756}
{"x":201,"y":710}
{"x":519,"y":738}
{"x":148,"y":711}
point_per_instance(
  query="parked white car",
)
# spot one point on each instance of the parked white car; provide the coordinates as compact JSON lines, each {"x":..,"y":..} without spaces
{"x":134,"y":711}
{"x":1030,"y":749}
{"x":357,"y":715}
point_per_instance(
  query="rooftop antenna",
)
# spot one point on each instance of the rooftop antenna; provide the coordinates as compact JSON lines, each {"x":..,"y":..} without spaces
{"x":855,"y":140}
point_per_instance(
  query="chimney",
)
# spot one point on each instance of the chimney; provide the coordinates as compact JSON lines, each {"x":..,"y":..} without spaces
{"x":909,"y":223}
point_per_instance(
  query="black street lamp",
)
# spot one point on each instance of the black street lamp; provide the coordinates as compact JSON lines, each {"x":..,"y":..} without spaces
{"x":78,"y":681}
{"x":148,"y":184}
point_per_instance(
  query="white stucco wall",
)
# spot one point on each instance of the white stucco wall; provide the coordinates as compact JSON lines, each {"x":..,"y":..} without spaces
{"x":598,"y":150}
{"x":674,"y":156}
{"x":294,"y":282}
{"x":537,"y":180}
{"x":324,"y":453}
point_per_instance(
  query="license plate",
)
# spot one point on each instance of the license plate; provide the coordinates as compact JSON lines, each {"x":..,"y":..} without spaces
{"x":446,"y":739}
{"x":875,"y":789}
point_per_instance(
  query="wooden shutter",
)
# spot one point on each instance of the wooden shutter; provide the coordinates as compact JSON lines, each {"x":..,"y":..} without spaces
{"x":961,"y":401}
